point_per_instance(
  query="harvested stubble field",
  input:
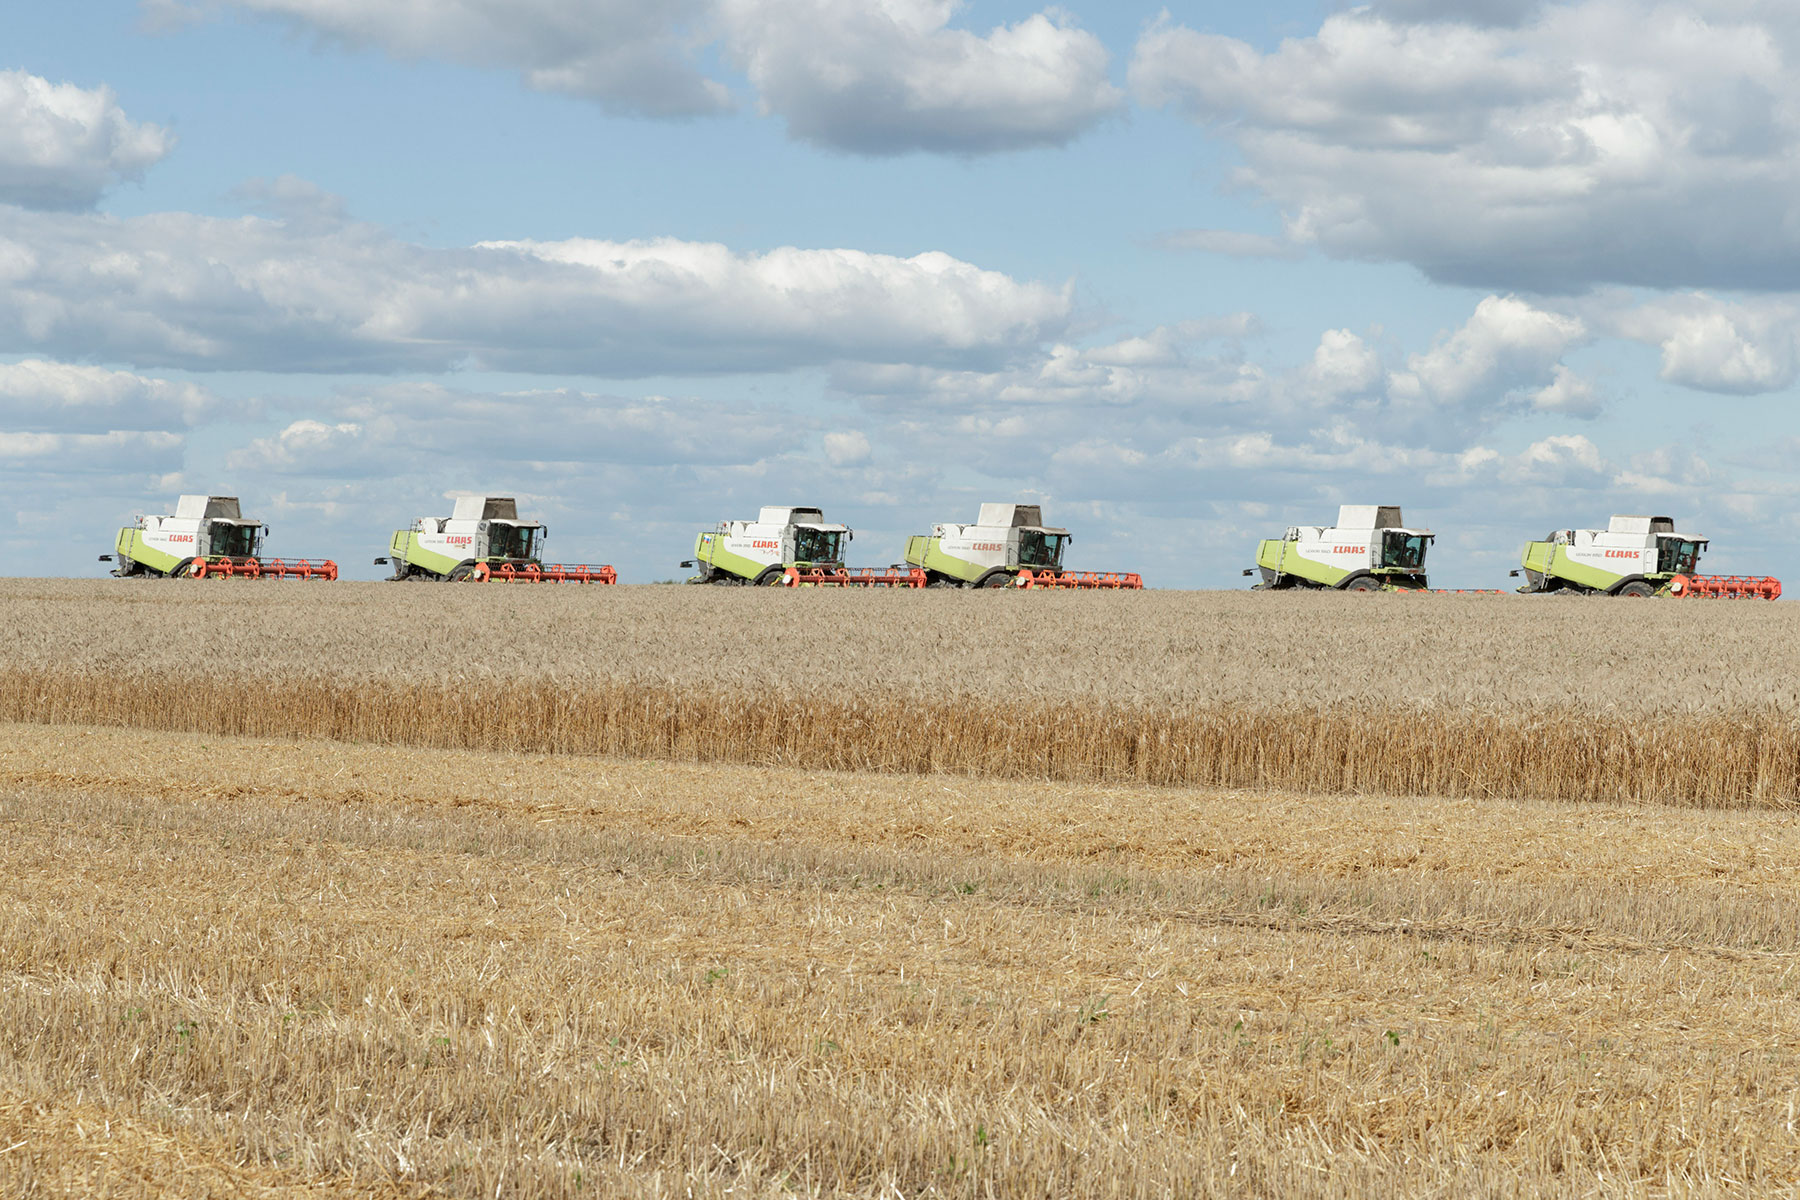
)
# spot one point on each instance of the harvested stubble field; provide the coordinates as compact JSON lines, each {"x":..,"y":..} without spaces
{"x":410,"y":891}
{"x":284,"y":968}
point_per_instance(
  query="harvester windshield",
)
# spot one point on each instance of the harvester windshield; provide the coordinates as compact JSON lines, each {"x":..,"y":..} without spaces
{"x":816,"y":545}
{"x":1403,"y":550}
{"x":235,"y":541}
{"x":1041,"y":549}
{"x":513,"y":541}
{"x":1677,"y":556}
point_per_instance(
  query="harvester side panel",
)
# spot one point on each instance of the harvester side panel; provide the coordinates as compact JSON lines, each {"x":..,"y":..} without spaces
{"x":932,"y":556}
{"x":407,"y":548}
{"x":132,"y":546}
{"x":1292,"y":562}
{"x":710,"y":548}
{"x":1562,"y":566}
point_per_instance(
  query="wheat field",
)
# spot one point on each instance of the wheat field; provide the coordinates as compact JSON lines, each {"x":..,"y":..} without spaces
{"x":1676,"y":702}
{"x":665,"y":892}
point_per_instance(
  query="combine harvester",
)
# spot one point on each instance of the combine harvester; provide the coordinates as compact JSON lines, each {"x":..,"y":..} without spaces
{"x":786,"y":546}
{"x":1008,"y":546}
{"x":481,"y":541}
{"x":1368,"y":550}
{"x":208,"y":537}
{"x":1632,"y":556}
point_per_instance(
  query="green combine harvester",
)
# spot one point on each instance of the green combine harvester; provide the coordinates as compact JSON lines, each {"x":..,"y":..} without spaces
{"x":1368,"y":550}
{"x":207,"y":537}
{"x":1633,"y":557}
{"x":482,"y":540}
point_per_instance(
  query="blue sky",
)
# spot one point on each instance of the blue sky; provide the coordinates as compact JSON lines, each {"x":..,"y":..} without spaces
{"x":1185,"y":276}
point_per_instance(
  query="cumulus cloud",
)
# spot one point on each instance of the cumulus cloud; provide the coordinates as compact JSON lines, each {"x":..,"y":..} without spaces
{"x":1507,"y":145}
{"x":891,"y":77}
{"x":630,"y":56}
{"x":845,"y":449}
{"x":307,"y":446}
{"x":176,"y":289}
{"x":1505,"y":345}
{"x":1504,"y":361}
{"x":1344,"y":364}
{"x":364,"y":432}
{"x":117,"y":452}
{"x":1714,"y":345}
{"x":872,"y":78}
{"x":62,"y":146}
{"x":56,"y":397}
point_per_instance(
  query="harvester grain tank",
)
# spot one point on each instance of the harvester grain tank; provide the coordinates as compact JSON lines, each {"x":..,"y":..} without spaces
{"x":1633,"y":556}
{"x":782,"y":540}
{"x":482,"y":540}
{"x":1008,"y":545}
{"x":1370,"y":549}
{"x":206,"y":537}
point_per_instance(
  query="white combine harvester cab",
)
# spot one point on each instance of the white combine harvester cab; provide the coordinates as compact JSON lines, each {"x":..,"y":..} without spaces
{"x":762,"y":551}
{"x":1370,"y":549}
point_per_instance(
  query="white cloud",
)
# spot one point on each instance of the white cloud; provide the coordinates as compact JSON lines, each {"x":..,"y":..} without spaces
{"x":1506,"y":344}
{"x":872,"y":78}
{"x":67,"y":398}
{"x":1741,"y":348}
{"x":117,"y":452}
{"x":847,"y":449}
{"x":1344,"y":364}
{"x":365,"y":432}
{"x":184,"y":290}
{"x":1511,"y":145}
{"x":635,"y":56}
{"x":61,"y":146}
{"x":888,"y":77}
{"x":1567,"y":393}
{"x":304,"y":445}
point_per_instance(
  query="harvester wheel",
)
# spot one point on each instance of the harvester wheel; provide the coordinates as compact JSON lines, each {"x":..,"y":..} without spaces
{"x":460,"y":574}
{"x":1636,"y":589}
{"x":773,"y":577}
{"x":998,"y":579}
{"x":1363,"y":583}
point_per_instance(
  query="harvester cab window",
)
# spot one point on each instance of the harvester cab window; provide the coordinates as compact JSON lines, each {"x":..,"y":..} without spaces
{"x":1403,"y":550}
{"x":513,"y":541}
{"x":234,"y":541}
{"x":1677,"y":557}
{"x":1041,"y":549}
{"x":816,"y":545}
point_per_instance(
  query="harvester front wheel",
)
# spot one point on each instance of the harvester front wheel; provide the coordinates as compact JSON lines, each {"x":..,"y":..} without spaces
{"x":1363,"y":583}
{"x":1636,"y":590}
{"x":998,"y":579}
{"x":773,"y":577}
